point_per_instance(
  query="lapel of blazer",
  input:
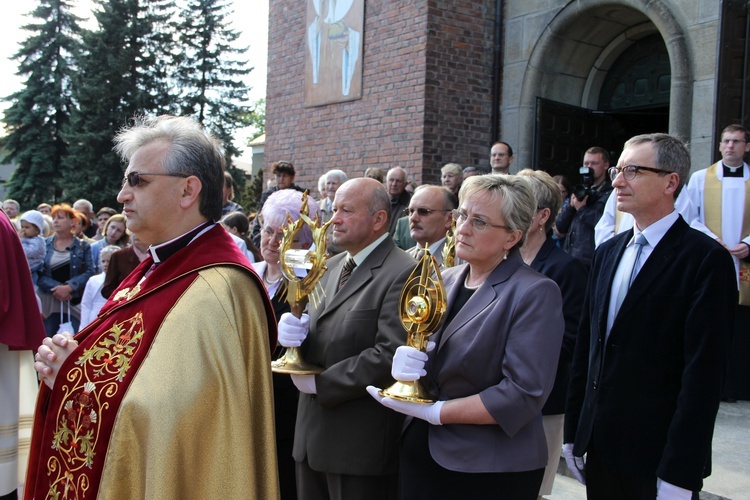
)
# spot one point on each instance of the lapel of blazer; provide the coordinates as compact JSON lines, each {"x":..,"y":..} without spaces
{"x":544,"y":251}
{"x":485,"y":295}
{"x":660,"y":257}
{"x":361,"y":275}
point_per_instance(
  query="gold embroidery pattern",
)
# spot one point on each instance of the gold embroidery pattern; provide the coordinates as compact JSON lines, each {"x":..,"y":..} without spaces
{"x":96,"y":378}
{"x":126,"y":293}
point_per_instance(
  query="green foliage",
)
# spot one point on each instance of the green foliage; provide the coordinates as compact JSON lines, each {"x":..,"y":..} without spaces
{"x":257,"y":118}
{"x":130,"y":82}
{"x":39,"y":113}
{"x":250,"y":197}
{"x":209,"y":71}
{"x":145,"y":57}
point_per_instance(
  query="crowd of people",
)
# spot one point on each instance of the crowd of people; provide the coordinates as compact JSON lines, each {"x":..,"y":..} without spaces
{"x":602,"y":322}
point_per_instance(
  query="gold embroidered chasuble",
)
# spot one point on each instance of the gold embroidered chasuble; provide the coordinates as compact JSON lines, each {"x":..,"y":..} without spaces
{"x":195,"y":418}
{"x":197,"y":421}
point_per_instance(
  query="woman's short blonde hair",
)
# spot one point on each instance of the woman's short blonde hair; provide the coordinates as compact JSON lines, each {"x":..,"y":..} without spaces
{"x":510,"y":193}
{"x":546,"y":192}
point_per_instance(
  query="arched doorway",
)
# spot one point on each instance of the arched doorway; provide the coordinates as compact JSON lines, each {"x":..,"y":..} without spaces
{"x":633,"y":99}
{"x":600,"y":74}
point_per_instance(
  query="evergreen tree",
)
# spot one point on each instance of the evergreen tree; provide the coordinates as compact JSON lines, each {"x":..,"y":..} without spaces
{"x":257,"y":118}
{"x":40,"y":112}
{"x":210,"y":73}
{"x":123,"y":73}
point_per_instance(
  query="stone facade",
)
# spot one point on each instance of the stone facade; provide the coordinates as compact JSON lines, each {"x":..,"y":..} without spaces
{"x":561,"y":50}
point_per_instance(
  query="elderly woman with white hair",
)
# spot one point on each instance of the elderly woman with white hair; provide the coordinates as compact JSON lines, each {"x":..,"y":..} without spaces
{"x":492,"y":364}
{"x":334,"y":180}
{"x":272,"y":218}
{"x":451,"y":176}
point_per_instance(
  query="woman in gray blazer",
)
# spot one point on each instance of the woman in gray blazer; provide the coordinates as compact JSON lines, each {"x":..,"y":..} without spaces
{"x":494,"y":362}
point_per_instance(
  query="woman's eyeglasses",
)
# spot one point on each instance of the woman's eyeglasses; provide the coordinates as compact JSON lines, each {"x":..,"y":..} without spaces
{"x":133,"y":179}
{"x":476,"y":223}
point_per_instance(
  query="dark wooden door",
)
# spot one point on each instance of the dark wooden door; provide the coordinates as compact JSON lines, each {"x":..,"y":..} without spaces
{"x":563,"y":133}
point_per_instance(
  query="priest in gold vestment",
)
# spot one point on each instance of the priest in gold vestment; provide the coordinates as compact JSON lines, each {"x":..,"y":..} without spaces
{"x":167,"y":394}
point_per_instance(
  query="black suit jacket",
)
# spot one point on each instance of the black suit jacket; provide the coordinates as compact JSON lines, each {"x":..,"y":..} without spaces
{"x":648,"y":396}
{"x":570,"y":275}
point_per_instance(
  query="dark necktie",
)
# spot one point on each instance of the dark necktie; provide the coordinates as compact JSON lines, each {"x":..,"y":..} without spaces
{"x":346,"y":272}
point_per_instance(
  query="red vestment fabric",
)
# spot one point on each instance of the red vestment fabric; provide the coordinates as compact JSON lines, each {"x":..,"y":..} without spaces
{"x":21,"y":324}
{"x":68,"y":430}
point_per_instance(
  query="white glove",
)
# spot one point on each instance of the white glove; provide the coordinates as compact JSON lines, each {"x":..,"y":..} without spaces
{"x":576,"y":465}
{"x":425,"y":411}
{"x":293,"y":330}
{"x":668,"y":491}
{"x":408,"y":363}
{"x":305,"y":383}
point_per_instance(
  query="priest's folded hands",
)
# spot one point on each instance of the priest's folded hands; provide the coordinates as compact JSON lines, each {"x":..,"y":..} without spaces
{"x":51,"y":355}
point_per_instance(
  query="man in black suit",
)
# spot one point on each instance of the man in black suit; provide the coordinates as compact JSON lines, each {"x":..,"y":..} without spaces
{"x":646,"y":378}
{"x":345,"y":443}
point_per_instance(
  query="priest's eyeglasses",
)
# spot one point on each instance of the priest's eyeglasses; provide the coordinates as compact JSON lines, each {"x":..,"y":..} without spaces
{"x":133,"y":179}
{"x":630,"y":171}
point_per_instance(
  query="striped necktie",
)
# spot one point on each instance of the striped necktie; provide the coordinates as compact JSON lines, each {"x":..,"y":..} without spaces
{"x":346,"y":271}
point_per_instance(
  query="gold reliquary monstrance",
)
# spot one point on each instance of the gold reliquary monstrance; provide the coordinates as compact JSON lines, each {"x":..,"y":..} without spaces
{"x":300,"y":289}
{"x":422,"y":306}
{"x":449,"y":249}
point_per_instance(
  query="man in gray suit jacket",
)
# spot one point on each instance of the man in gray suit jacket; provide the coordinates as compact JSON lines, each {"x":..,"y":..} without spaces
{"x":345,"y":443}
{"x":430,"y":217}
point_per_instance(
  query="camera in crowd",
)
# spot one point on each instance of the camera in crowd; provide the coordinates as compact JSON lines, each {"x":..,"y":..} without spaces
{"x":582,"y":190}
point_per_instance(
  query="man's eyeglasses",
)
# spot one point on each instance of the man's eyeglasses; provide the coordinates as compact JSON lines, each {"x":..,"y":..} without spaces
{"x":423,"y":212}
{"x":133,"y":179}
{"x":476,"y":223}
{"x":630,"y":171}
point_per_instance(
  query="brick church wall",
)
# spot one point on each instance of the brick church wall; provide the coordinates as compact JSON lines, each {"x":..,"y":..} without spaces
{"x":458,"y":101}
{"x":425,"y":92}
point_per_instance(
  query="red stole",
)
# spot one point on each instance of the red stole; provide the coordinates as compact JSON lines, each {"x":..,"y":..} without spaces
{"x":73,"y":422}
{"x":20,"y":320}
